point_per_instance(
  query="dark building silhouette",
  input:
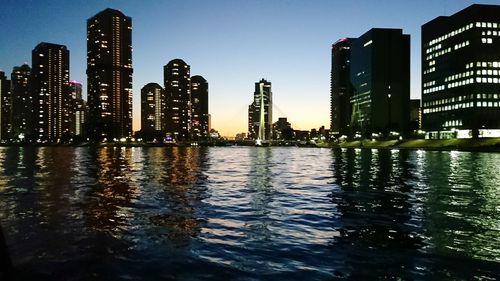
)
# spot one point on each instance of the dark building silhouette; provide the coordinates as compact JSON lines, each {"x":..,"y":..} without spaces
{"x":22,"y":103}
{"x":109,"y":75}
{"x":262,"y":94}
{"x":461,"y":74}
{"x":415,"y":115}
{"x":78,"y":108}
{"x":50,"y":85}
{"x":199,"y":108}
{"x":177,"y":82}
{"x":153,"y":105}
{"x":282,"y":130}
{"x":5,"y":107}
{"x":340,"y":87}
{"x":380,"y":76}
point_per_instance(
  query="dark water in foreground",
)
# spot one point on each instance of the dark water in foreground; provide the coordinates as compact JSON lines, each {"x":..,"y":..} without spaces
{"x":250,"y":213}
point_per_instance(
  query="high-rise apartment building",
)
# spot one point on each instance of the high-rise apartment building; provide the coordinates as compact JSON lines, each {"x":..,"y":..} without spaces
{"x":22,"y":103}
{"x":260,"y":112}
{"x":340,"y":87}
{"x":5,"y":108}
{"x":461,"y":74}
{"x":199,"y":108}
{"x":380,"y":77}
{"x":50,"y":86}
{"x":177,"y":82}
{"x":78,"y":108}
{"x":109,"y":75}
{"x":153,"y":105}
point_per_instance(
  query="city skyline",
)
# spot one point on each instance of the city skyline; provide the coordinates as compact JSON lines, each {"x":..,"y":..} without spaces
{"x":294,"y":54}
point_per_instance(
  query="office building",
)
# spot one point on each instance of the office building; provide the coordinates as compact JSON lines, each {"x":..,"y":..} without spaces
{"x":461,"y":74}
{"x":50,"y":86}
{"x":177,"y":82}
{"x":199,"y":108}
{"x":260,"y":112}
{"x":415,"y":115}
{"x":5,"y":107}
{"x":282,"y":129}
{"x":380,"y":77}
{"x":22,"y":104}
{"x":153,"y":105}
{"x":109,"y":75}
{"x":340,"y":88}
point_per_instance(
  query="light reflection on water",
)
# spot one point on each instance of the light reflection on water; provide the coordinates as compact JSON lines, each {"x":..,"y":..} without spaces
{"x":116,"y":213}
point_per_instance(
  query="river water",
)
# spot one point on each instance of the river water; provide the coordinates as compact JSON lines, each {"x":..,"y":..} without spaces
{"x":246,"y":213}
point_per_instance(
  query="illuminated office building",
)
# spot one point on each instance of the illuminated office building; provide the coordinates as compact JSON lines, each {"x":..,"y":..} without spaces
{"x":50,"y":86}
{"x":153,"y":105}
{"x":260,"y":112}
{"x":22,"y":103}
{"x":199,"y":108}
{"x":461,"y":74}
{"x":177,"y":82}
{"x":109,"y":75}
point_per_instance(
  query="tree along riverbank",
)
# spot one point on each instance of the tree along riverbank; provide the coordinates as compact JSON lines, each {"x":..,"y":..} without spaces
{"x":486,"y":144}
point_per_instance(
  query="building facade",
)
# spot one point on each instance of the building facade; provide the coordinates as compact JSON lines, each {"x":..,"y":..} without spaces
{"x":260,"y":112}
{"x":22,"y":104}
{"x":153,"y":105}
{"x":340,"y":88}
{"x":50,"y":86}
{"x":177,"y":85}
{"x":5,"y":108}
{"x":78,"y":108}
{"x":461,"y":74}
{"x":380,"y":77}
{"x":109,"y":75}
{"x":199,"y":108}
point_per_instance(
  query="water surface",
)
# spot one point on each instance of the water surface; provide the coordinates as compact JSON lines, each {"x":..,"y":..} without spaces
{"x":246,"y":213}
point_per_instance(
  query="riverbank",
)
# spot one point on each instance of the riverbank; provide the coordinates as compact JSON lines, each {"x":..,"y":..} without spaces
{"x":487,"y":144}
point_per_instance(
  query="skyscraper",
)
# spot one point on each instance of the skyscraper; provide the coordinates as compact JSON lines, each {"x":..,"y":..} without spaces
{"x":177,"y":81}
{"x":380,"y":77}
{"x":340,"y":88}
{"x":260,"y":112}
{"x":109,"y":75}
{"x":153,"y":111}
{"x":5,"y":107}
{"x":461,"y":74}
{"x":50,"y":78}
{"x":22,"y":103}
{"x":78,"y":108}
{"x":199,"y":108}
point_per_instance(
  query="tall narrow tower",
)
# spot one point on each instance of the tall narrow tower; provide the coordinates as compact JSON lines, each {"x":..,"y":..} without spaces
{"x":109,"y":75}
{"x":22,"y":103}
{"x":260,"y":112}
{"x":199,"y":107}
{"x":177,"y":79}
{"x":50,"y":78}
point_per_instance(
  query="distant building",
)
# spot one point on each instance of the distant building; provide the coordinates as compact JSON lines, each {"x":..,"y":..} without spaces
{"x":282,"y":130}
{"x":109,"y":75}
{"x":340,"y":87}
{"x":5,"y":108}
{"x":78,"y":109}
{"x":415,"y":115}
{"x":240,"y":136}
{"x":177,"y":82}
{"x":461,"y":74}
{"x":260,"y":122}
{"x":199,"y":108}
{"x":50,"y":85}
{"x":380,"y":77}
{"x":22,"y":103}
{"x":153,"y":105}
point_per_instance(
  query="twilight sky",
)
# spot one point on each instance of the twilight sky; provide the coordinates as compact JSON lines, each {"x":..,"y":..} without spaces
{"x":232,"y":43}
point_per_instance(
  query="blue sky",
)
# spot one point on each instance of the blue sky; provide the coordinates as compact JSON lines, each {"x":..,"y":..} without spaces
{"x":232,"y":44}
